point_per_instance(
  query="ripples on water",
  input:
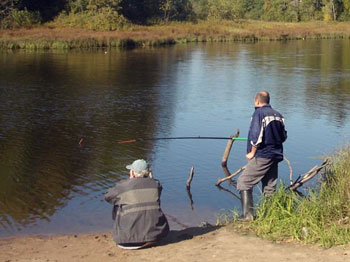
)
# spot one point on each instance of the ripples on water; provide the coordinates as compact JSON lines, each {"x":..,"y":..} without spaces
{"x":62,"y":113}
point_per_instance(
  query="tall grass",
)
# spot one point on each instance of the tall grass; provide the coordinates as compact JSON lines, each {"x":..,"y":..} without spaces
{"x":323,"y":217}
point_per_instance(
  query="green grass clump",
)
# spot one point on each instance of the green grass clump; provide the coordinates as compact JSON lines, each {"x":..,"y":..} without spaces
{"x":323,"y":217}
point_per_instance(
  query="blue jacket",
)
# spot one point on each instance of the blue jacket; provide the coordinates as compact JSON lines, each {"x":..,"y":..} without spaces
{"x":267,"y":133}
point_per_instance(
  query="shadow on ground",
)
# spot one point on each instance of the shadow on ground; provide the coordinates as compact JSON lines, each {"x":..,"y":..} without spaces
{"x":176,"y":236}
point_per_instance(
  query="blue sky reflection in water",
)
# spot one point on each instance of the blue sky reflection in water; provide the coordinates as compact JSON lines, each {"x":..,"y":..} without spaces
{"x":49,"y":101}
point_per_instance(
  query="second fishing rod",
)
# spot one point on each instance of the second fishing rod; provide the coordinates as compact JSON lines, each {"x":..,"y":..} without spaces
{"x":181,"y":137}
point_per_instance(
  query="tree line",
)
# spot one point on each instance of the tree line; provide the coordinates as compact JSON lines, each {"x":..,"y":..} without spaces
{"x":113,"y":14}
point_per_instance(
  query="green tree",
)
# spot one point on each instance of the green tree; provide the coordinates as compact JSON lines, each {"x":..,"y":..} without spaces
{"x":47,"y":9}
{"x":310,"y":10}
{"x":141,"y":11}
{"x":21,"y":18}
{"x":166,"y":7}
{"x":281,"y":10}
{"x":222,"y":9}
{"x":78,"y":6}
{"x":29,"y":9}
{"x":14,"y":14}
{"x":331,"y":9}
{"x":255,"y":9}
{"x":6,"y":6}
{"x":176,"y":10}
{"x":346,"y":10}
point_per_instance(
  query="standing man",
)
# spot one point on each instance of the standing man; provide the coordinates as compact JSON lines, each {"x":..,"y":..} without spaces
{"x":138,"y":219}
{"x":264,"y":152}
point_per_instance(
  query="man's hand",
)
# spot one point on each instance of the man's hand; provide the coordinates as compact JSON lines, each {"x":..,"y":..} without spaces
{"x":251,"y":155}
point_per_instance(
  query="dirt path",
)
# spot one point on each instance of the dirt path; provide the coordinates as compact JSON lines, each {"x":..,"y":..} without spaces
{"x":193,"y":244}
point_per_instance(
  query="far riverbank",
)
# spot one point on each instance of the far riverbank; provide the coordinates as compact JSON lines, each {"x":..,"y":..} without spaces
{"x":51,"y":37}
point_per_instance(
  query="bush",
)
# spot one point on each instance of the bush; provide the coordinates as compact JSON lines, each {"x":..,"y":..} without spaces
{"x":20,"y":18}
{"x":101,"y":19}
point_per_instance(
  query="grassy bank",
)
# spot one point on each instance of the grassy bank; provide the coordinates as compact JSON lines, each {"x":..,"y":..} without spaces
{"x":52,"y":37}
{"x":323,"y":218}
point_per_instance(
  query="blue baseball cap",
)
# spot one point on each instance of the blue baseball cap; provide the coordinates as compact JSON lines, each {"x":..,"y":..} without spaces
{"x":138,"y":166}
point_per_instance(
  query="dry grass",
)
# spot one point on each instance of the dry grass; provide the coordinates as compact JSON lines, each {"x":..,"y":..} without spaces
{"x":55,"y":37}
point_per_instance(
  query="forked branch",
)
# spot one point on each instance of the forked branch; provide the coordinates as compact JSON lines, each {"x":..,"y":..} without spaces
{"x":220,"y":180}
{"x":309,"y":175}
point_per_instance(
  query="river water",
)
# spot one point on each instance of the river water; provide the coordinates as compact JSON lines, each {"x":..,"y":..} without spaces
{"x":62,"y":113}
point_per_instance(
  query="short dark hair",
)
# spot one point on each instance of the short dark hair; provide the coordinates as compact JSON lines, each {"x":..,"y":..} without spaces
{"x":263,"y":97}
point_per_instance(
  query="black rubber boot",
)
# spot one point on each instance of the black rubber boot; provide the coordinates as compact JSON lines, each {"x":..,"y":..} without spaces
{"x":247,"y":205}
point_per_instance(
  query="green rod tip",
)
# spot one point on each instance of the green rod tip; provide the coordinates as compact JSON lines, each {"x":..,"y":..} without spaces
{"x":240,"y":138}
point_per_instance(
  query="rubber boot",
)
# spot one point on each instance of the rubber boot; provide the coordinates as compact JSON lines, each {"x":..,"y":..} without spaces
{"x":247,"y":205}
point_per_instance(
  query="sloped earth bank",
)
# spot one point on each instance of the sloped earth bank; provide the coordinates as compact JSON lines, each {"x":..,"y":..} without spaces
{"x":192,"y":244}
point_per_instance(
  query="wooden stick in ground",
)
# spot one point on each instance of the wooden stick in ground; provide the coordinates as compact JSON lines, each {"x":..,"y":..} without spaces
{"x":228,"y":149}
{"x":226,"y":152}
{"x":220,"y":180}
{"x":310,"y":174}
{"x":226,"y":171}
{"x":188,"y":187}
{"x":189,"y":180}
{"x":290,"y":171}
{"x":226,"y":155}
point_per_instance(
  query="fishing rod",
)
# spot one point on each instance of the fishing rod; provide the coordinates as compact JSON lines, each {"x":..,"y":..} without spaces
{"x":182,"y":137}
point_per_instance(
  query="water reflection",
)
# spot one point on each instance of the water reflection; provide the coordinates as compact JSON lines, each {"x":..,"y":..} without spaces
{"x":229,"y":191}
{"x":61,"y":114}
{"x":49,"y":103}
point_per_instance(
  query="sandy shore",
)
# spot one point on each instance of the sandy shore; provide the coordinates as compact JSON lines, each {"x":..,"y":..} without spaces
{"x":192,"y":244}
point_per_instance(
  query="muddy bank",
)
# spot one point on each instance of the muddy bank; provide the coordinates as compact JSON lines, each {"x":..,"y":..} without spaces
{"x":193,"y":244}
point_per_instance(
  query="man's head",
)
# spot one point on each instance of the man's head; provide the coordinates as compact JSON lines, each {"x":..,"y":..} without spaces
{"x":139,"y":168}
{"x":262,"y":98}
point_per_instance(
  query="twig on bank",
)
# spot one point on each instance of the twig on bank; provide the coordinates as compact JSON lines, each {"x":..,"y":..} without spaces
{"x":220,"y":180}
{"x":309,"y":175}
{"x":290,"y":170}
